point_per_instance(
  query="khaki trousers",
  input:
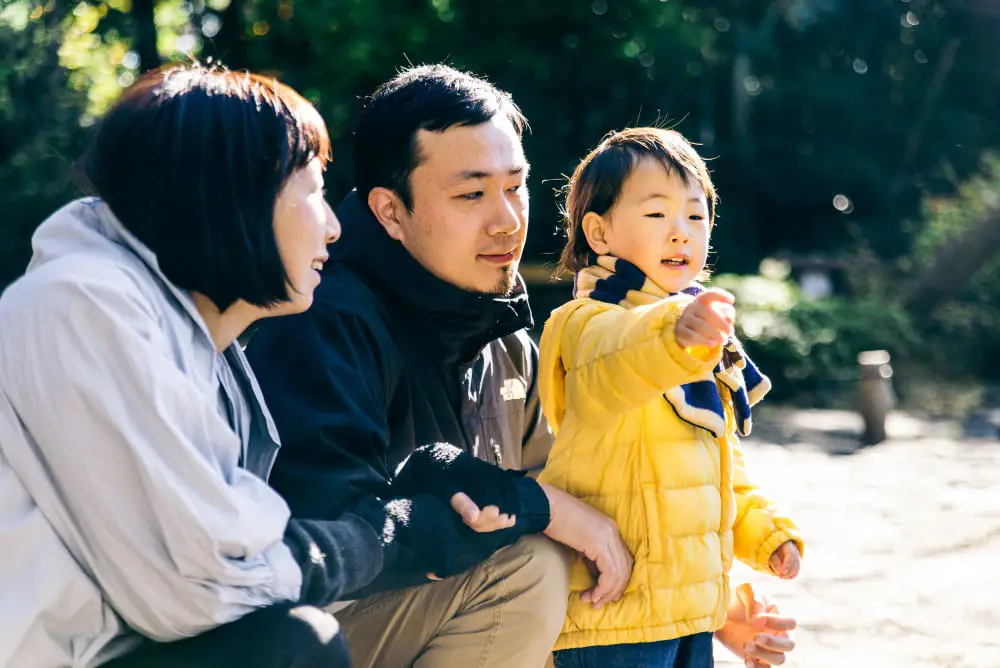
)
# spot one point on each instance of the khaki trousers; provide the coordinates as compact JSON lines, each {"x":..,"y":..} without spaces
{"x":504,"y":613}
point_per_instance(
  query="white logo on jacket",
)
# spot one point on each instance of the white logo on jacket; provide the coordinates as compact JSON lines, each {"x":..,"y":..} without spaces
{"x":513,"y":389}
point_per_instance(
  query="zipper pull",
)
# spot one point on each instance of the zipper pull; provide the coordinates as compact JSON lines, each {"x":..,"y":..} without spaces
{"x":496,"y":451}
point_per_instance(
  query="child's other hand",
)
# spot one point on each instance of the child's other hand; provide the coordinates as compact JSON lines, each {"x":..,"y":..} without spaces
{"x":786,"y":560}
{"x":756,"y":630}
{"x":707,"y":320}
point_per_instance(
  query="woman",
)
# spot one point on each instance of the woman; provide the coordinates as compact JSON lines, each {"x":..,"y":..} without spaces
{"x":134,"y":443}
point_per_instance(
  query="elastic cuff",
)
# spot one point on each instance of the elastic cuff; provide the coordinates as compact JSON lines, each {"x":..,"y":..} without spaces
{"x":762,"y":560}
{"x":363,"y":550}
{"x":534,"y":514}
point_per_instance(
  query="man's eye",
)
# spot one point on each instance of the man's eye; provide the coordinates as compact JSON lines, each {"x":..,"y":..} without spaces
{"x":519,"y":187}
{"x":472,"y":196}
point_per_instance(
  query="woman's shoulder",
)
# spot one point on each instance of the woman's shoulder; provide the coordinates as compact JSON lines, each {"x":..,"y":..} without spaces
{"x":70,"y":282}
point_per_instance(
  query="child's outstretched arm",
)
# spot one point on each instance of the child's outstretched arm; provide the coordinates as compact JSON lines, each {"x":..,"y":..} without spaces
{"x":760,"y":528}
{"x":626,"y":358}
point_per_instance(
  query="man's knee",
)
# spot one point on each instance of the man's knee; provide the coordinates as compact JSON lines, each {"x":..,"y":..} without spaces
{"x":536,"y":569}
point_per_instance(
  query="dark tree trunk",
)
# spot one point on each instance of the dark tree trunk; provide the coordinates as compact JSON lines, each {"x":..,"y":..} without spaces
{"x":145,"y":35}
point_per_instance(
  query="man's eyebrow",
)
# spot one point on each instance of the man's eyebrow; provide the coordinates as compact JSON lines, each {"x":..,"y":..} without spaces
{"x":471,"y":174}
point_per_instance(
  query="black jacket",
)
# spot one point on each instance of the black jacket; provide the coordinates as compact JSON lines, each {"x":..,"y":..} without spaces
{"x":388,"y":359}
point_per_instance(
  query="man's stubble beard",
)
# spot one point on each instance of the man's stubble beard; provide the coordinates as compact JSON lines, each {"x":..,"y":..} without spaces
{"x":505,"y":286}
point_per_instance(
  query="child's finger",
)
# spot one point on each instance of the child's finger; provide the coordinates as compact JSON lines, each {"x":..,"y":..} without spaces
{"x":776,"y":563}
{"x":745,"y":595}
{"x":791,"y":566}
{"x":767,"y":657}
{"x":715,"y":321}
{"x":775,"y":622}
{"x":689,"y":338}
{"x":715,"y":295}
{"x":709,"y":332}
{"x":465,"y":507}
{"x":776,"y":644}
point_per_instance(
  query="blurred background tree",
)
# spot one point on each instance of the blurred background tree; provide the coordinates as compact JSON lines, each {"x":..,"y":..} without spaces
{"x":852,"y":133}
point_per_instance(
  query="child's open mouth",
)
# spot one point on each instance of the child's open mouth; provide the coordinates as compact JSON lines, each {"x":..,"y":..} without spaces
{"x":675,"y":262}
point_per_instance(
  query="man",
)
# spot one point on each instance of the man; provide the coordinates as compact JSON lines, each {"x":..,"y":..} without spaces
{"x":417,"y":335}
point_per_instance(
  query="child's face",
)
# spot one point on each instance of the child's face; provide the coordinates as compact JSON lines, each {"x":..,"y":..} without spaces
{"x":661,"y":225}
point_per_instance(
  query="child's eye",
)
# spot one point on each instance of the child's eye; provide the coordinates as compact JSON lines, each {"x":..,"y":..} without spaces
{"x":654,"y":215}
{"x":471,"y":197}
{"x":696,"y":217}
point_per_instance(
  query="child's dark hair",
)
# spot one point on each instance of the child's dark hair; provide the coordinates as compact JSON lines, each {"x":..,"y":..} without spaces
{"x":597,"y":181}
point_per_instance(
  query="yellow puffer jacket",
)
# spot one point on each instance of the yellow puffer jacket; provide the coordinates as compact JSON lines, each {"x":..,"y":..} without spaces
{"x":680,"y":497}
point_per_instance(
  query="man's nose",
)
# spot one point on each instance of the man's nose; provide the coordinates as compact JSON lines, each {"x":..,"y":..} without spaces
{"x":507,"y":219}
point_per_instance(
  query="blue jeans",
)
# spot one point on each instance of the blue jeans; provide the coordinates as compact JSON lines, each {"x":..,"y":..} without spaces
{"x":687,"y":652}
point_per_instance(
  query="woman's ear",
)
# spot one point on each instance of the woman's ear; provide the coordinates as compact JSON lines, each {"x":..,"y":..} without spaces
{"x":595,"y":228}
{"x":387,"y":207}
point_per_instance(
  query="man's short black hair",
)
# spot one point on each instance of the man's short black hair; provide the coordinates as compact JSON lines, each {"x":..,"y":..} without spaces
{"x":191,"y":161}
{"x":428,"y":97}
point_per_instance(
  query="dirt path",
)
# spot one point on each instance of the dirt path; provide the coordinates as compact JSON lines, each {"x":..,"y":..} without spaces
{"x":902,"y":565}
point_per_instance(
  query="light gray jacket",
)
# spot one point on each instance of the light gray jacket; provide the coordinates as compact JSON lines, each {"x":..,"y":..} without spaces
{"x":122,"y":500}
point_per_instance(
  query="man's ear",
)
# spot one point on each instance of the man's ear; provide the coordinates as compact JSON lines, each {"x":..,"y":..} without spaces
{"x":388,"y":209}
{"x":595,"y":228}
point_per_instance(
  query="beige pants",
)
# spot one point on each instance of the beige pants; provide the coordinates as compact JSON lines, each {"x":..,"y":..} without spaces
{"x":505,"y":613}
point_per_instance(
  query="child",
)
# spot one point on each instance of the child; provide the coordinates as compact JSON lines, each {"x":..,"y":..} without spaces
{"x":648,"y":392}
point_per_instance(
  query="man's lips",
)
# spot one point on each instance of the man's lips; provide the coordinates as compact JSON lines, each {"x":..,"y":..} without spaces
{"x":499,"y":258}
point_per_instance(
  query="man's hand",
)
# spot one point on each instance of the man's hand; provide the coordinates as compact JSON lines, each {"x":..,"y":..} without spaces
{"x":707,"y":321}
{"x":595,"y":536}
{"x":755,"y":630}
{"x":786,"y":561}
{"x":482,"y":520}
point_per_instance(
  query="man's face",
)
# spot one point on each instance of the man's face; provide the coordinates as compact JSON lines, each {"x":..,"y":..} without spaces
{"x":470,"y":205}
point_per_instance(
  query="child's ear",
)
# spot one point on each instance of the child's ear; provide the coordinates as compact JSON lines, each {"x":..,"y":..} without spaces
{"x":387,"y":207}
{"x":595,"y":228}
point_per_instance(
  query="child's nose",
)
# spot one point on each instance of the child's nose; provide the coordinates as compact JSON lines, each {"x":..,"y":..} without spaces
{"x":679,"y":235}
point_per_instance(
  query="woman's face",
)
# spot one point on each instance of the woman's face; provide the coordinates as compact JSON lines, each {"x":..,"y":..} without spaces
{"x":304,"y":225}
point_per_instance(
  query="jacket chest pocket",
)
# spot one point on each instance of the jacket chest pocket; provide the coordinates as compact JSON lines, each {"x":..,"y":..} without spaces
{"x":495,"y":428}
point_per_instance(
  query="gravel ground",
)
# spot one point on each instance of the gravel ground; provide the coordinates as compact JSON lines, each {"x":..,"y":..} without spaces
{"x":903,"y":540}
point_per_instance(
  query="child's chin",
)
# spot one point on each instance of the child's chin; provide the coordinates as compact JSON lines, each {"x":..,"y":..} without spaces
{"x":673,"y":280}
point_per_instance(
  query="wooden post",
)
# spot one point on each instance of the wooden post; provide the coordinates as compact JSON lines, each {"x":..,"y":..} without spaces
{"x":875,"y":396}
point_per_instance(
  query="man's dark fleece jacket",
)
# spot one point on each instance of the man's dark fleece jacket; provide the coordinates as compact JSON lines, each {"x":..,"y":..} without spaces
{"x":390,"y":358}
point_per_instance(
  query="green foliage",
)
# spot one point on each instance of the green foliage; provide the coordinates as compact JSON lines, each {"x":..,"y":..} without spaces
{"x":40,"y":135}
{"x":963,"y":333}
{"x":796,"y":102}
{"x":809,"y":349}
